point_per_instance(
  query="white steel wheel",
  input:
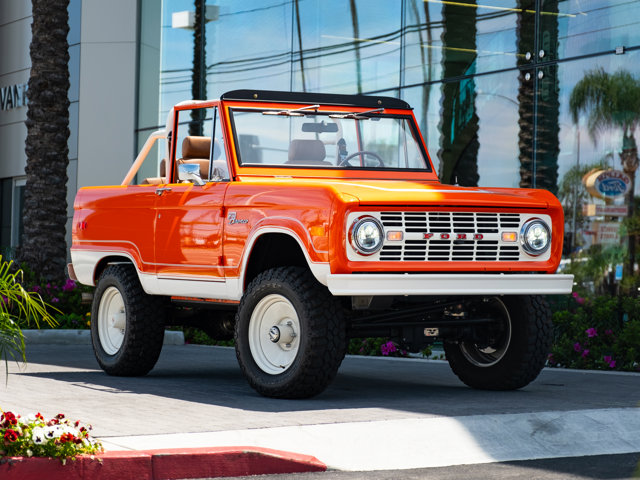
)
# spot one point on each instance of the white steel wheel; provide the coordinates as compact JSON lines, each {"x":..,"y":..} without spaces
{"x":489,"y":354}
{"x":274,"y":334}
{"x":112,"y":320}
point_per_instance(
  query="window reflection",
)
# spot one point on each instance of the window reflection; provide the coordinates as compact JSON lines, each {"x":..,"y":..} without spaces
{"x":249,"y":45}
{"x":347,"y":46}
{"x":590,"y":26}
{"x":598,"y":136}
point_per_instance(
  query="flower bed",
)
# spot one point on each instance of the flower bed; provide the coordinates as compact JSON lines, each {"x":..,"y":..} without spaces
{"x":33,"y":436}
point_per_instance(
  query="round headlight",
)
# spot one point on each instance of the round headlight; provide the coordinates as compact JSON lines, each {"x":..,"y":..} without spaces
{"x":366,"y":235}
{"x":535,"y":236}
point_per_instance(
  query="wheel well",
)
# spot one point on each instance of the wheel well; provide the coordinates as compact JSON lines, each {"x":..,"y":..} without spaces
{"x":102,"y":264}
{"x":273,"y":250}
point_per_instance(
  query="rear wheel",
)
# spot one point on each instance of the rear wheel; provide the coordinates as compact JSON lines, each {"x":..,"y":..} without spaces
{"x":127,"y":327}
{"x":290,"y":334}
{"x":509,"y":354}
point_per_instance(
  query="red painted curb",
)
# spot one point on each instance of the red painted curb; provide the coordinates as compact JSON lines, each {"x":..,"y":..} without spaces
{"x":166,"y":464}
{"x":229,"y":462}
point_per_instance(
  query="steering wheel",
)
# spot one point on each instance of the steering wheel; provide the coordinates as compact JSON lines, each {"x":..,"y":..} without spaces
{"x":345,"y":162}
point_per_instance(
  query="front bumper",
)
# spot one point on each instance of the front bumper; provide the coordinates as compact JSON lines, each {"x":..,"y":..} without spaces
{"x":448,"y":284}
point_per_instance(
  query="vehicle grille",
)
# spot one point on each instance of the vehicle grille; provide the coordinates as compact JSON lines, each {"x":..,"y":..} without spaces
{"x":415,"y":247}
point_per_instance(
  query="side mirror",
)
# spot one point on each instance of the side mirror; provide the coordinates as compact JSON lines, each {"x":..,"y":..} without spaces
{"x":190,"y":172}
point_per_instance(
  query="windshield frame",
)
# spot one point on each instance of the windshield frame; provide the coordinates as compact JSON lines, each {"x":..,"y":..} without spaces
{"x":324,"y":111}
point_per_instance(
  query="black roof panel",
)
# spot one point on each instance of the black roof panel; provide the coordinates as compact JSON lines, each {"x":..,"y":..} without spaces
{"x":369,"y":101}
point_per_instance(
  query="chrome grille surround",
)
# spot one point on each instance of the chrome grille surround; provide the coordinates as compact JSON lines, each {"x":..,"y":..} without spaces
{"x":437,"y":236}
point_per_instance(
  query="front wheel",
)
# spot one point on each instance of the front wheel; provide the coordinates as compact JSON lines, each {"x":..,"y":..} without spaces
{"x":127,"y":325}
{"x":290,"y":334}
{"x":511,"y":352}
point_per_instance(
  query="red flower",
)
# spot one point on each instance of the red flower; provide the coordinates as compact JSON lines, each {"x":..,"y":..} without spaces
{"x":11,"y":436}
{"x":67,"y":437}
{"x":9,"y":419}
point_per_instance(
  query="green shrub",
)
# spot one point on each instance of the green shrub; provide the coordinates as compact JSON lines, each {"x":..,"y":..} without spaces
{"x":198,"y":337}
{"x":603,"y":333}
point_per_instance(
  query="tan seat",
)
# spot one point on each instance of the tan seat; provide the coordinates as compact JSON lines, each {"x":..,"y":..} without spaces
{"x":196,"y":150}
{"x":307,"y":152}
{"x":162,"y":179}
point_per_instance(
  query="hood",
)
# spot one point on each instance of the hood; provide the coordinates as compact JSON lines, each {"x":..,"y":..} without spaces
{"x":389,"y":192}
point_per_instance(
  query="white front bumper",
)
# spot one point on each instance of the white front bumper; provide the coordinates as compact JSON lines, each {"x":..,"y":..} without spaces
{"x":449,"y":284}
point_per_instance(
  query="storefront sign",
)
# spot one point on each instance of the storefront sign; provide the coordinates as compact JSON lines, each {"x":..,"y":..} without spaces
{"x":593,"y":210}
{"x":13,"y":96}
{"x":607,"y":233}
{"x":607,"y":183}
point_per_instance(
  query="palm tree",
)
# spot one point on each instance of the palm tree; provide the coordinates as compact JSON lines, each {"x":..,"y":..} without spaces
{"x":612,"y":101}
{"x":43,"y":246}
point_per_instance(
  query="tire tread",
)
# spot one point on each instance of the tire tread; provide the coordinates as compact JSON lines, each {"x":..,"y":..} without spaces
{"x":145,"y":325}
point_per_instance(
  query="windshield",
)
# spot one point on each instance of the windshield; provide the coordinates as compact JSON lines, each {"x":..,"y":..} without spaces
{"x":303,"y":138}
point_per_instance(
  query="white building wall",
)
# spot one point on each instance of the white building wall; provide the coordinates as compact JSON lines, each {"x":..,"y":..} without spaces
{"x":107,"y":106}
{"x":15,"y":64}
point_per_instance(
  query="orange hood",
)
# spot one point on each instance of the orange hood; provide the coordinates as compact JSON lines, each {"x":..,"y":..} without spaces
{"x":391,"y":192}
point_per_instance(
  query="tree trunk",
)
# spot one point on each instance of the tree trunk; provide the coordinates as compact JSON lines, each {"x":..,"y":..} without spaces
{"x":629,"y":160}
{"x":459,"y":121}
{"x":43,"y":246}
{"x":199,"y":72}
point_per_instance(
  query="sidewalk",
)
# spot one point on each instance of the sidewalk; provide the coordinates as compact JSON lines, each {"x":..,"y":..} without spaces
{"x":378,"y":414}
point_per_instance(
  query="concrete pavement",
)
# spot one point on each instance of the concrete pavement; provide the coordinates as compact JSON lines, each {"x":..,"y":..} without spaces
{"x":378,"y":414}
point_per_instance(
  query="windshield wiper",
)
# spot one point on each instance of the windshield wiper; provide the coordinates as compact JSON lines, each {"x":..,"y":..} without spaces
{"x":356,"y":116}
{"x":298,"y":112}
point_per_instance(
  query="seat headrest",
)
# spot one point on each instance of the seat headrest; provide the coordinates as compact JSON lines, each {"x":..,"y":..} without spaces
{"x":196,"y":147}
{"x":309,"y":150}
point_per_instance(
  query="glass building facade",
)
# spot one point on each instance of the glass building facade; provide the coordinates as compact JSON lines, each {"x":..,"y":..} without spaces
{"x":508,"y":93}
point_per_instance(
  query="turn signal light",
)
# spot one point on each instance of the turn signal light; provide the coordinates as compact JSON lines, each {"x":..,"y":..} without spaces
{"x":394,"y":236}
{"x":509,"y":236}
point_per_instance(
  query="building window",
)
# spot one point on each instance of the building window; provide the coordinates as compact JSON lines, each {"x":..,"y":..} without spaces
{"x":12,"y":196}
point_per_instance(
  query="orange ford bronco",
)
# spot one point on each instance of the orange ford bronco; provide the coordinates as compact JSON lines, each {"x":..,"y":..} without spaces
{"x":293,"y":222}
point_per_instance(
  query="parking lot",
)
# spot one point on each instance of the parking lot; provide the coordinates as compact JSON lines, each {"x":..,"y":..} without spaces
{"x":378,"y":414}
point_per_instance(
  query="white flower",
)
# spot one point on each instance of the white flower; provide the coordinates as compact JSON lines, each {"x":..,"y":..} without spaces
{"x":29,"y":453}
{"x":38,"y":436}
{"x":52,"y":432}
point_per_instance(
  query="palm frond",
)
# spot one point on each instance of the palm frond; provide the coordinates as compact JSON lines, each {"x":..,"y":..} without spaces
{"x":17,"y":304}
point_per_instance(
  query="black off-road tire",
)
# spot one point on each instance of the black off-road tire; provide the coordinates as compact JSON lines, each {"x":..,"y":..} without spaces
{"x":531,"y":337}
{"x":145,"y":321}
{"x":322,"y":336}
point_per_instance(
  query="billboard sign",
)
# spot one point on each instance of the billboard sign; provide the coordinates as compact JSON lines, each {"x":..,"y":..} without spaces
{"x":607,"y":184}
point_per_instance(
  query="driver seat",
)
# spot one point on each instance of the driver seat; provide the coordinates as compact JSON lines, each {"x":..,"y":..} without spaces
{"x":307,"y":152}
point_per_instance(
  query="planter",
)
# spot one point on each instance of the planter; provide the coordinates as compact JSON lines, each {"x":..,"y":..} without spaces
{"x":106,"y":466}
{"x":162,"y":464}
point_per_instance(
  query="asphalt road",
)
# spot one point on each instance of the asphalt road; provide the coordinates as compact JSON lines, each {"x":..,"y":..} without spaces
{"x":609,"y":467}
{"x":379,"y":415}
